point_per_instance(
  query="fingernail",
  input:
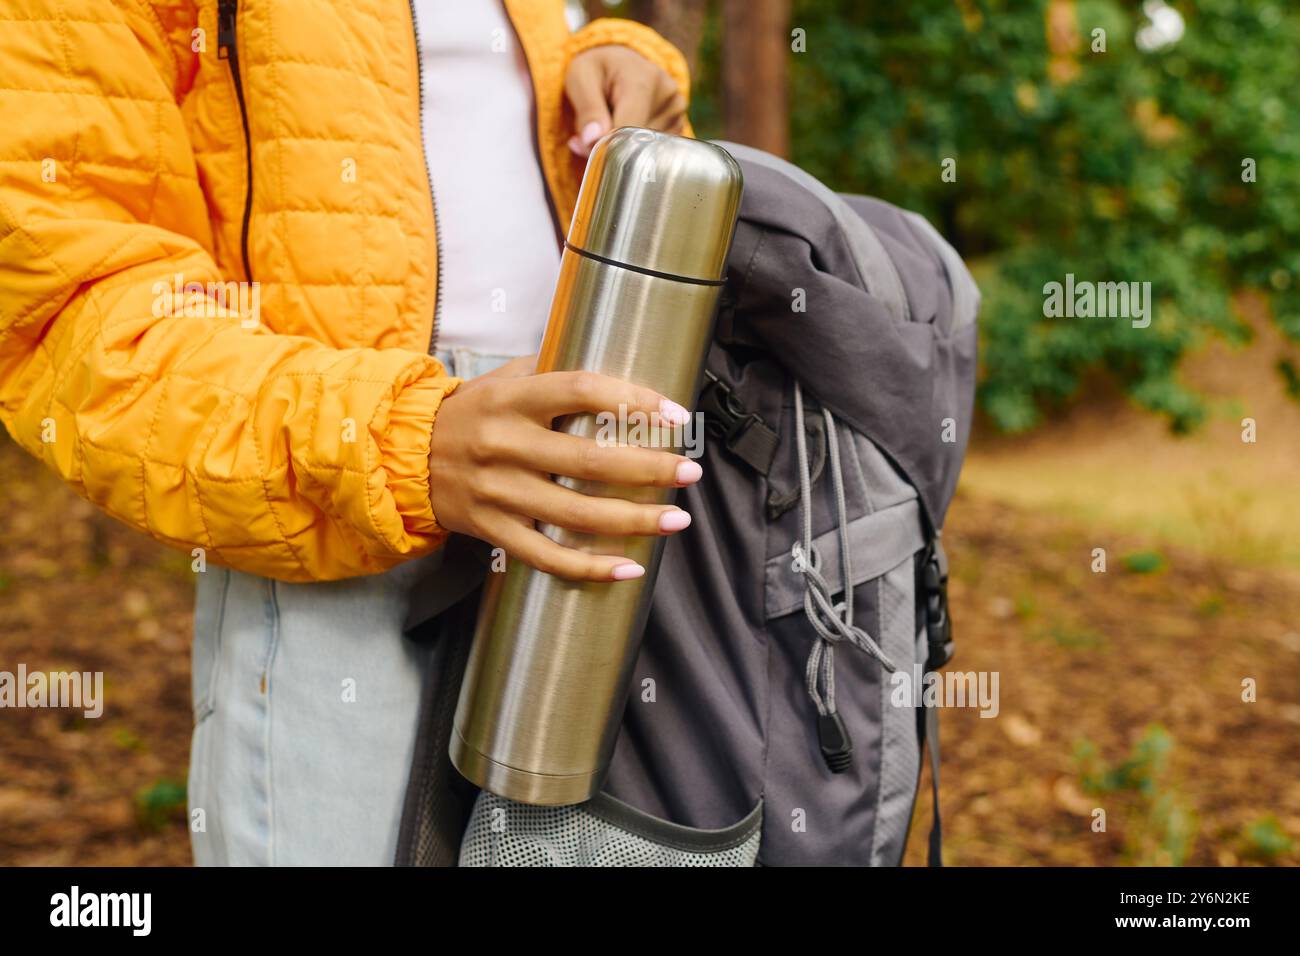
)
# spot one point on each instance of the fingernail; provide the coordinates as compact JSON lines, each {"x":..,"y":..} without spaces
{"x":688,"y":472}
{"x":673,"y":413}
{"x":575,"y":145}
{"x":671,"y":521}
{"x":591,"y":132}
{"x":626,"y":572}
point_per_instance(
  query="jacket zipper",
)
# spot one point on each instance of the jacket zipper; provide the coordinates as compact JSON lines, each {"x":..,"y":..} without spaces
{"x":428,"y":178}
{"x":537,"y":147}
{"x":228,"y":49}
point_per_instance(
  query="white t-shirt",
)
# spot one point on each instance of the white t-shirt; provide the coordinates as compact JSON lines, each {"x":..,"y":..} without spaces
{"x":500,"y":252}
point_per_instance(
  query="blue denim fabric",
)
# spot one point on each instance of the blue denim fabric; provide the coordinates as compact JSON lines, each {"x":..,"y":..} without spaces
{"x":306,"y":698}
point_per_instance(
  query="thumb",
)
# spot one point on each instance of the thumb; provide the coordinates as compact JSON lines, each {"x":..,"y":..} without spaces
{"x":585,"y":88}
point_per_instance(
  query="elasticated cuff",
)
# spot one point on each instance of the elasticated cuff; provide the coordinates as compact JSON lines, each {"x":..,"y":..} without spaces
{"x":405,"y":451}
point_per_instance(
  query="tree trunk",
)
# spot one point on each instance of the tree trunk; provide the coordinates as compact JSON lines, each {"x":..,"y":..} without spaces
{"x":680,"y":22}
{"x":755,"y":48}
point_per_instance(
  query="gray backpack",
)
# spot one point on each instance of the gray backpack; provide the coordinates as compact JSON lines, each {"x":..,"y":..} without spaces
{"x":759,"y":726}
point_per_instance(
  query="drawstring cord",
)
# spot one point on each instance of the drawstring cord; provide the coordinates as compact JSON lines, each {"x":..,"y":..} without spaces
{"x":832,"y":622}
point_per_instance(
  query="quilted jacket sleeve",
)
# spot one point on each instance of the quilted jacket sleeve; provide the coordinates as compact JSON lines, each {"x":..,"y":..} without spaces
{"x":274,"y":453}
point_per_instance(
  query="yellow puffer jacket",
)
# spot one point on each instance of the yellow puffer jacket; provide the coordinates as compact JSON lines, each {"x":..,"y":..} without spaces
{"x":297,"y":447}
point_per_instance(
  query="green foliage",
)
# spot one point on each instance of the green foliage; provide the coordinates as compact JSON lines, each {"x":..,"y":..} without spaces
{"x":128,"y":739}
{"x":1139,"y":772}
{"x":1211,"y":606}
{"x":1143,"y":562}
{"x":1074,"y":638}
{"x":1128,"y":170}
{"x":1171,"y":828}
{"x":1160,"y":828}
{"x":1025,"y":605}
{"x":1290,"y":377}
{"x":159,"y":802}
{"x":1266,"y":840}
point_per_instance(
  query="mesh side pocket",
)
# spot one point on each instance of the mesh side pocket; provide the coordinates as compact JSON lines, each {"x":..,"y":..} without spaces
{"x":601,"y":832}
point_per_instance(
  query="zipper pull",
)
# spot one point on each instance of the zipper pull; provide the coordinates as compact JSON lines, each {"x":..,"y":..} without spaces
{"x":226,"y":27}
{"x":833,"y":738}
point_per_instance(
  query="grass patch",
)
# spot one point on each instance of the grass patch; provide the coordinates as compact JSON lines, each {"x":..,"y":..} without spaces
{"x":1159,"y":826}
{"x":1143,"y":562}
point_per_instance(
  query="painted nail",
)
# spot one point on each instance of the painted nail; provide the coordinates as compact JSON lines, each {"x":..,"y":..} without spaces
{"x":673,"y":413}
{"x":671,"y":521}
{"x":688,"y":472}
{"x":591,"y":132}
{"x":627,"y":572}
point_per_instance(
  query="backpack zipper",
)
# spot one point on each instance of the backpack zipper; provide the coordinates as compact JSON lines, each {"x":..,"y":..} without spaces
{"x":428,"y":178}
{"x":228,"y":49}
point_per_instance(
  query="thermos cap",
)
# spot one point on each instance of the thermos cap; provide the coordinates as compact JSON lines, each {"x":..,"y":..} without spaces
{"x":658,"y":202}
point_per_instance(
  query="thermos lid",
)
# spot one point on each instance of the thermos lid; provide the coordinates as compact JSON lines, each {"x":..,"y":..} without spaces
{"x":658,"y":202}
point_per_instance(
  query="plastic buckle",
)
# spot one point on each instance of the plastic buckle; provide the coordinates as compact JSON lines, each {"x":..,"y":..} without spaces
{"x":724,"y":415}
{"x":938,"y":622}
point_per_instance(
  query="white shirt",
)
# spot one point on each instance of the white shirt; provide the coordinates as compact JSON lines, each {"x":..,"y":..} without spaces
{"x":500,"y":252}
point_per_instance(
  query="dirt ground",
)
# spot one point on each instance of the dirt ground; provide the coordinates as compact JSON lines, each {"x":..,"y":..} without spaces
{"x":1119,"y":691}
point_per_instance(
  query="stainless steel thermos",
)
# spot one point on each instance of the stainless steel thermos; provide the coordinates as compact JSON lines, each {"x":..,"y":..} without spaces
{"x":548,"y":674}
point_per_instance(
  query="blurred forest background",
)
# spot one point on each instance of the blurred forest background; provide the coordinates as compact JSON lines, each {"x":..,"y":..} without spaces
{"x":1118,"y":141}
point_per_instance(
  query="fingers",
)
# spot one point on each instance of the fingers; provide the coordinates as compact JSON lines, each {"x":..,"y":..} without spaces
{"x":633,"y":95}
{"x":525,"y":543}
{"x":575,"y":457}
{"x":584,"y":85}
{"x":612,"y":86}
{"x":672,"y":117}
{"x":562,"y":507}
{"x":515,"y":368}
{"x":669,"y":113}
{"x":553,"y":394}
